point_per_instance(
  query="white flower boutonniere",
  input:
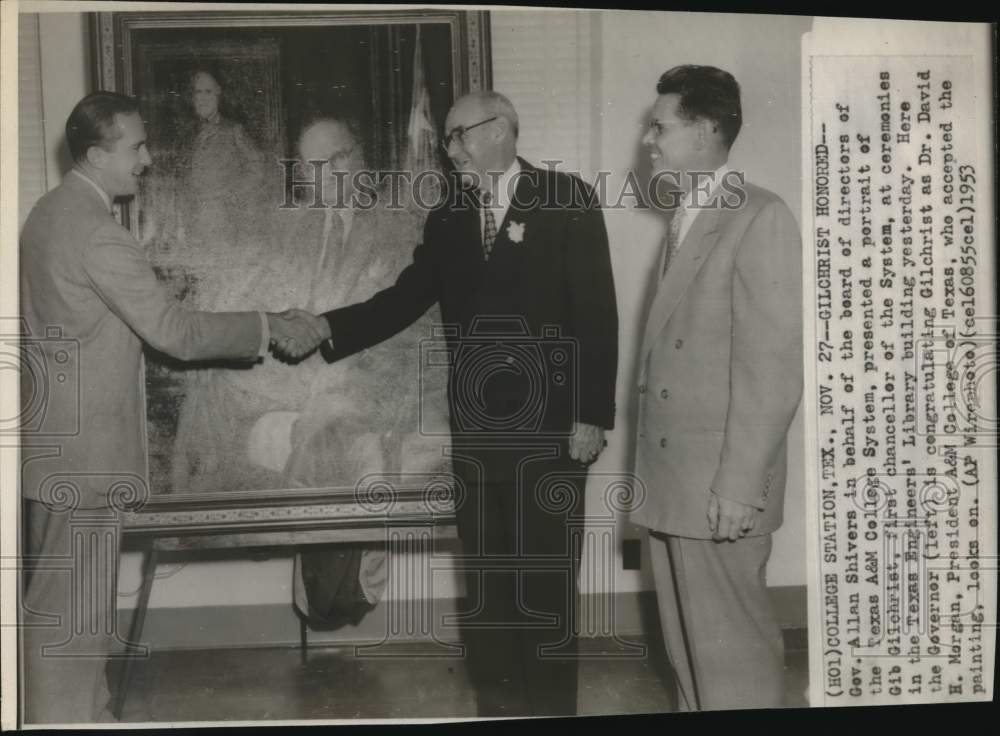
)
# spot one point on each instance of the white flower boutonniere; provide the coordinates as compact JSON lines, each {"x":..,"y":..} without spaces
{"x":515,"y":231}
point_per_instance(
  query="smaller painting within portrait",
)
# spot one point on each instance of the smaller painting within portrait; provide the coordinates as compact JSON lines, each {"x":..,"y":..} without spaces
{"x":213,"y":111}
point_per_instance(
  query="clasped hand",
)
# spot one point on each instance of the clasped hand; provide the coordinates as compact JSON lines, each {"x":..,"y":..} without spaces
{"x":296,"y":333}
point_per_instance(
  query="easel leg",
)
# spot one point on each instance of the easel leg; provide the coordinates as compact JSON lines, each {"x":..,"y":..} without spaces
{"x":135,"y":630}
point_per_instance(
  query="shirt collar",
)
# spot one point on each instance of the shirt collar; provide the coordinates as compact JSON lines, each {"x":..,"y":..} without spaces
{"x":502,"y":194}
{"x":346,"y":215}
{"x":716,"y":179}
{"x":104,"y":195}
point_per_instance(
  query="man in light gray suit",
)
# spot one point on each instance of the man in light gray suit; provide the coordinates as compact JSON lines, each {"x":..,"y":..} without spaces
{"x":89,"y":300}
{"x":720,"y":380}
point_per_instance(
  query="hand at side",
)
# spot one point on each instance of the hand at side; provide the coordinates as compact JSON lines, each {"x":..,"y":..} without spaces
{"x":586,"y":442}
{"x":729,"y":520}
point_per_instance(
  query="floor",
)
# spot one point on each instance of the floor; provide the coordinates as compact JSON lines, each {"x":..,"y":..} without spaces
{"x":338,"y":683}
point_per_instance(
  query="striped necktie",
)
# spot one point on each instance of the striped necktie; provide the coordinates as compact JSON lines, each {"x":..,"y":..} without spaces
{"x":330,"y":247}
{"x":489,"y":225}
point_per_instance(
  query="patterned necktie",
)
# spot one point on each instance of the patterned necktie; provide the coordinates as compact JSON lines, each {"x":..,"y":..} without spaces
{"x":332,"y":240}
{"x":489,"y":226}
{"x":673,"y":238}
{"x":330,"y":246}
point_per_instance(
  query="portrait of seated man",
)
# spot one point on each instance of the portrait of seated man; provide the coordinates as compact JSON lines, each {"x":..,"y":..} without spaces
{"x":312,"y":424}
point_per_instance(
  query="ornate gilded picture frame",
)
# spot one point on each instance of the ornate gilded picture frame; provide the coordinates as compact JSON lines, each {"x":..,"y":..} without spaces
{"x":272,"y":73}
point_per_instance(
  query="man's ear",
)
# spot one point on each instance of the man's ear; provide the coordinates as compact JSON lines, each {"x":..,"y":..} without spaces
{"x":708,"y":132}
{"x":502,"y":129}
{"x":705,"y":130}
{"x":96,"y":157}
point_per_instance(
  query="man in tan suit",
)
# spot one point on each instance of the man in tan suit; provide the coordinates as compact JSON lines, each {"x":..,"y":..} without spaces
{"x":89,"y":300}
{"x":720,"y":380}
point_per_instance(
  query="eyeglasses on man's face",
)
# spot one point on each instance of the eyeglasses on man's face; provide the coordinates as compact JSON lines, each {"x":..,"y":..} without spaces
{"x":339,"y":157}
{"x":659,"y":127}
{"x":458,"y":133}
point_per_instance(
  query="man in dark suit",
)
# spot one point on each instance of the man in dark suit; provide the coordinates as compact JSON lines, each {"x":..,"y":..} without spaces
{"x":518,"y":260}
{"x":89,"y":301}
{"x":720,"y":379}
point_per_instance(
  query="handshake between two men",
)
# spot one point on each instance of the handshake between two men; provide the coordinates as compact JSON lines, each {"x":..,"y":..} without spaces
{"x":295,"y":333}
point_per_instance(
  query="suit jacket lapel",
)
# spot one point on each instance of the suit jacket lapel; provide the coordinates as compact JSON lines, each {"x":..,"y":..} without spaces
{"x":470,"y":241}
{"x":528,"y":195}
{"x":351,"y":258}
{"x":694,"y":251}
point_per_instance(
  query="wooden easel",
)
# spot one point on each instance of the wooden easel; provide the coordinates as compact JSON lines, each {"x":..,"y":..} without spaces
{"x":219,"y":521}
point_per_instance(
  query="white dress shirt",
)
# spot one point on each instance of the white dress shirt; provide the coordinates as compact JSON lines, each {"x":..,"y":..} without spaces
{"x":347,"y":218}
{"x":501,"y":197}
{"x":687,"y":206}
{"x":100,"y":192}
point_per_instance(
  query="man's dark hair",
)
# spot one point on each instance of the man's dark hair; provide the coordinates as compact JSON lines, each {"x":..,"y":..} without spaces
{"x":706,"y":92}
{"x":92,"y":122}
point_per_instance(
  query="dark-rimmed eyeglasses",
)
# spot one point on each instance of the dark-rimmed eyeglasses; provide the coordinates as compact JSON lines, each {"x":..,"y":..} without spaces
{"x":460,"y":132}
{"x":658,"y":127}
{"x":339,"y":157}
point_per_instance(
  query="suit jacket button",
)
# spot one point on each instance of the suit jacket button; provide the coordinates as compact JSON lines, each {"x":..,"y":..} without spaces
{"x":663,"y":441}
{"x":642,"y":388}
{"x":679,"y":344}
{"x":664,"y":394}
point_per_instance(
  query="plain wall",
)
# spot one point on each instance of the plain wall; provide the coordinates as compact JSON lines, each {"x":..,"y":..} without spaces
{"x":66,"y":77}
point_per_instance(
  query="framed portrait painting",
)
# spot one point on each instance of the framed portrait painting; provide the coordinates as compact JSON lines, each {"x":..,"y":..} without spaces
{"x":229,"y":99}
